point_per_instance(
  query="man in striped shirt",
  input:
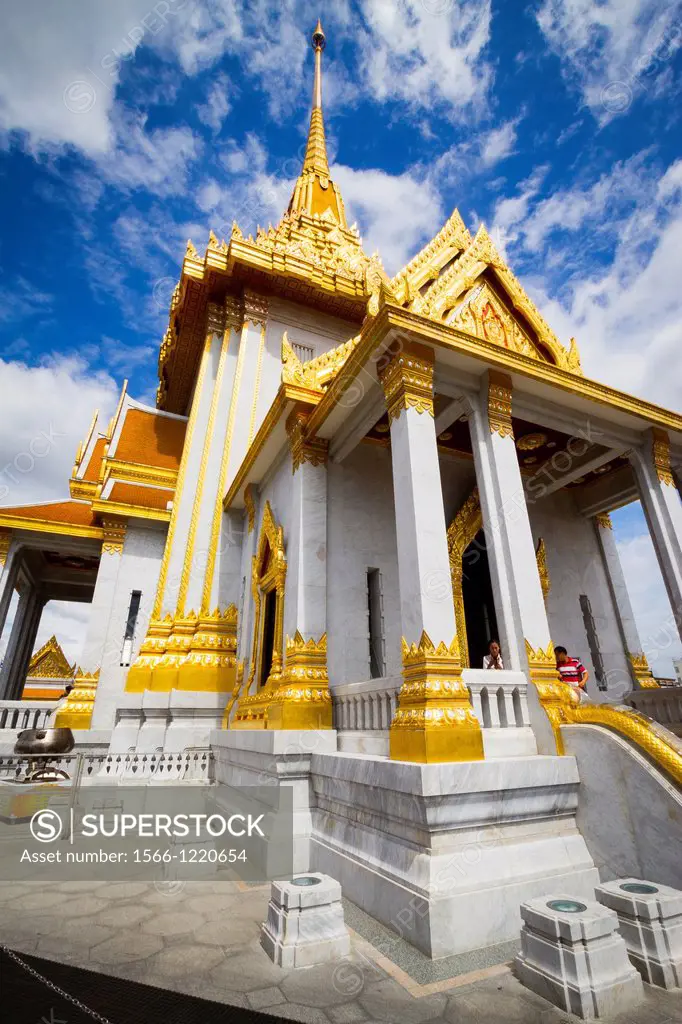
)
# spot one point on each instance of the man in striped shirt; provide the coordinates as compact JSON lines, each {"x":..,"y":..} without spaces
{"x":572,"y":671}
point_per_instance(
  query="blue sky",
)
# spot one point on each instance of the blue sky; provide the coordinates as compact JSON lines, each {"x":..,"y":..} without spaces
{"x":127,"y":127}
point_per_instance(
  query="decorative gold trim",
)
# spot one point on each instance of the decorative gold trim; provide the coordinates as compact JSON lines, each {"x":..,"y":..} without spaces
{"x":500,"y":404}
{"x":215,"y":318}
{"x":114,"y":536}
{"x":199,"y":493}
{"x":660,"y":451}
{"x":51,"y":526}
{"x":426,"y":266}
{"x":543,"y":571}
{"x":302,"y":699}
{"x":153,"y":646}
{"x":461,"y":532}
{"x":76,"y":712}
{"x":194,"y":412}
{"x":160,"y":515}
{"x":210,"y":665}
{"x":407,"y":380}
{"x":250,"y":506}
{"x":314,"y":450}
{"x":50,"y":663}
{"x":132,"y":472}
{"x":255,"y":309}
{"x":165,"y":674}
{"x":642,"y":672}
{"x":553,"y":694}
{"x":5,"y":542}
{"x":268,"y":573}
{"x":603,"y":519}
{"x":222,"y":479}
{"x":434,"y":721}
{"x":256,"y":387}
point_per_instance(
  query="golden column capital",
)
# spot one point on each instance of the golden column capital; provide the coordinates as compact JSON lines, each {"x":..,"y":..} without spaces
{"x":250,"y":506}
{"x":407,"y":380}
{"x":314,"y":450}
{"x":255,"y":308}
{"x":500,"y":403}
{"x":114,"y":535}
{"x":603,"y":519}
{"x":660,"y":450}
{"x":5,"y":541}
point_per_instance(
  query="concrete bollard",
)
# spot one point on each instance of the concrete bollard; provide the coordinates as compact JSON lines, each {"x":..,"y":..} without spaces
{"x":573,"y":955}
{"x":650,"y":921}
{"x":305,"y":923}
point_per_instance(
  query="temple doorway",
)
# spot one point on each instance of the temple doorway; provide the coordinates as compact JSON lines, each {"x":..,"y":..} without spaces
{"x":479,"y":606}
{"x":268,"y":641}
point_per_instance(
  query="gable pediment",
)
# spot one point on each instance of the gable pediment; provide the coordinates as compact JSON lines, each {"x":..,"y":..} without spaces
{"x":481,"y":311}
{"x":50,"y":663}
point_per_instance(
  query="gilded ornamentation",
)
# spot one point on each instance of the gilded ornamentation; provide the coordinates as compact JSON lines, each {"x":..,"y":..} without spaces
{"x":50,"y":663}
{"x":452,"y":239}
{"x":529,"y":442}
{"x":165,"y":673}
{"x":434,"y":721}
{"x":500,"y":404}
{"x":250,"y":506}
{"x":543,"y":571}
{"x":215,"y":322}
{"x":502,"y":328}
{"x":268,"y":574}
{"x":256,"y":386}
{"x":76,"y":711}
{"x":210,"y":664}
{"x":407,"y":380}
{"x":603,"y":519}
{"x":642,"y":672}
{"x":153,"y":646}
{"x":660,"y":445}
{"x":314,"y":450}
{"x":302,"y":700}
{"x":461,"y":532}
{"x":191,"y":251}
{"x":294,"y":371}
{"x":255,"y":308}
{"x":234,"y":312}
{"x":114,"y":535}
{"x":5,"y":541}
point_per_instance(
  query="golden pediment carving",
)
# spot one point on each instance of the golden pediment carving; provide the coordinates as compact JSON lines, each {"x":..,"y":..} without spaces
{"x":50,"y":663}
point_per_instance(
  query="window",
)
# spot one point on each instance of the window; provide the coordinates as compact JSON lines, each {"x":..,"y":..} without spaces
{"x":304,"y":352}
{"x":376,"y":624}
{"x":593,"y":641}
{"x":131,"y":622}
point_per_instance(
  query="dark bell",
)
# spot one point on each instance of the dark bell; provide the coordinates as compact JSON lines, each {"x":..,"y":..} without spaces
{"x":44,"y":741}
{"x":319,"y":39}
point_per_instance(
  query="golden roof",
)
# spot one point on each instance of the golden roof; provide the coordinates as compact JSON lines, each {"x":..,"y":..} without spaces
{"x":151,"y":440}
{"x":138,"y":495}
{"x":50,"y":662}
{"x":76,"y":513}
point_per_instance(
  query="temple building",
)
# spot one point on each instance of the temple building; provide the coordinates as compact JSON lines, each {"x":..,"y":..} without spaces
{"x":350,"y":485}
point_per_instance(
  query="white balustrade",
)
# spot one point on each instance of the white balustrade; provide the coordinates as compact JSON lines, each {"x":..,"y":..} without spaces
{"x":190,"y":765}
{"x":363,"y":712}
{"x":22,"y":714}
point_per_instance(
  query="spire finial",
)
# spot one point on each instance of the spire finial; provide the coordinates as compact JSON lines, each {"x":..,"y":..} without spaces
{"x":319,"y":41}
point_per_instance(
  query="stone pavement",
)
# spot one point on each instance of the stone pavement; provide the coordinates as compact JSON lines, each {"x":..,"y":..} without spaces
{"x":202,"y":938}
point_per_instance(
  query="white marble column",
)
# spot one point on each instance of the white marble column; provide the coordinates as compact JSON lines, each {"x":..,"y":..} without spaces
{"x":24,"y":652}
{"x":426,"y":603}
{"x":639,"y":668}
{"x":517,"y":590}
{"x":303,"y":700}
{"x":434,"y":721}
{"x":663,"y":511}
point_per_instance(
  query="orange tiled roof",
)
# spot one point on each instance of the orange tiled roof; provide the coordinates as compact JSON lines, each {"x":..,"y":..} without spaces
{"x":134,"y":494}
{"x":93,"y":467}
{"x":75,"y":512}
{"x":151,"y":440}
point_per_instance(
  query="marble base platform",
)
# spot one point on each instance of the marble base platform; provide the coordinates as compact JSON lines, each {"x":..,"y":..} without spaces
{"x":166,"y":722}
{"x":576,"y":958}
{"x":305,"y":923}
{"x":262,"y":757}
{"x":651,"y":925}
{"x":444,"y":854}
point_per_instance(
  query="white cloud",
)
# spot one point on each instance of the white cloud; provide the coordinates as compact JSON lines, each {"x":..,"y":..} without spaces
{"x":217,"y":106}
{"x":499,"y":143}
{"x":614,"y":50}
{"x":44,"y":415}
{"x":396,"y":213}
{"x":59,"y":67}
{"x":157,"y":161}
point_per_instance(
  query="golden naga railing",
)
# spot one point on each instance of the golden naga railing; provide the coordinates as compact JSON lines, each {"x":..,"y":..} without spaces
{"x":563,"y":707}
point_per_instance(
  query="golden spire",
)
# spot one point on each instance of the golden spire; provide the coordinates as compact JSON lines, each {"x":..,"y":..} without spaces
{"x":314,"y":193}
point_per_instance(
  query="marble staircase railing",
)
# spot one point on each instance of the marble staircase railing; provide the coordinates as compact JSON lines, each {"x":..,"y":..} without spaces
{"x":21,"y":714}
{"x":366,"y":706}
{"x":662,"y":704}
